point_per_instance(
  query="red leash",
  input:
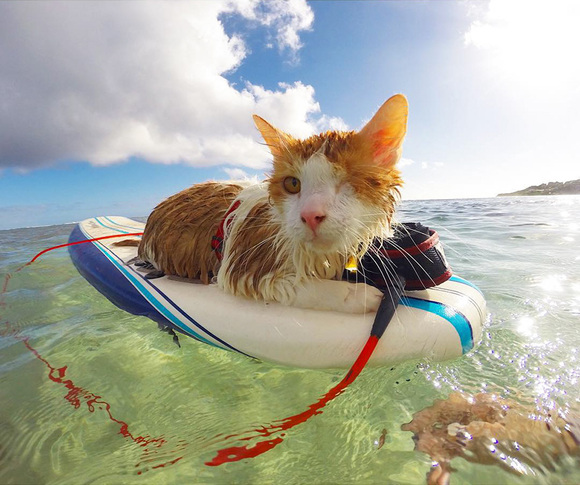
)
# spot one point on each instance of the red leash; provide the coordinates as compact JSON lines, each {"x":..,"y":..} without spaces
{"x":392,"y":294}
{"x":9,"y":275}
{"x":80,"y":242}
{"x":77,"y":395}
{"x":236,"y":453}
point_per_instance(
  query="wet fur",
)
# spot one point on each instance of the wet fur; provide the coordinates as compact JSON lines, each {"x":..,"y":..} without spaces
{"x":177,"y":237}
{"x":263,"y":258}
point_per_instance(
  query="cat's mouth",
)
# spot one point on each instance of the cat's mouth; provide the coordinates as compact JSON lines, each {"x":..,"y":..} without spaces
{"x":321,"y":242}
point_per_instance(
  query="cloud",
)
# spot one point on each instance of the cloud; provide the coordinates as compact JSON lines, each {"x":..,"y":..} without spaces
{"x":236,"y":173}
{"x":107,"y":81}
{"x":287,"y":18}
{"x":530,"y":43}
{"x":530,"y":83}
{"x":325,"y":123}
{"x":405,"y":162}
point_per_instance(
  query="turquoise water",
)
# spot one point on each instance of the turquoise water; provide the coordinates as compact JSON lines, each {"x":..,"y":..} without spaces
{"x":90,"y":394}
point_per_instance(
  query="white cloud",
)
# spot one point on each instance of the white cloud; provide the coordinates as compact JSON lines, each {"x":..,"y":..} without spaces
{"x":236,"y":173}
{"x":529,"y":80}
{"x":406,"y":162}
{"x":325,"y":123}
{"x":531,"y":43}
{"x":288,"y":108}
{"x":106,"y":81}
{"x":287,"y":17}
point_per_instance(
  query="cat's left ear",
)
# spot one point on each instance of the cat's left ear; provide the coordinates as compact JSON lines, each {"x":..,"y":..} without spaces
{"x":385,"y":132}
{"x":276,"y":140}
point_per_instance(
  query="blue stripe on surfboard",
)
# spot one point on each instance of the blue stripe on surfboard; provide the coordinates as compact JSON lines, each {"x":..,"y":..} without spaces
{"x":154,"y":302}
{"x":115,"y":285}
{"x":459,"y":322}
{"x":146,"y":294}
{"x":109,"y":227}
{"x":201,"y":327}
{"x":123,"y":225}
{"x":148,"y":298}
{"x":457,"y":279}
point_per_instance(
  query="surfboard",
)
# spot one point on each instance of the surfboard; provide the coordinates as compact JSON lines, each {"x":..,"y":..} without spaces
{"x":440,"y":323}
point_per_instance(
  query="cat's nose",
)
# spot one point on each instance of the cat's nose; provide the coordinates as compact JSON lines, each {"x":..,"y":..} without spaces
{"x":312,"y":218}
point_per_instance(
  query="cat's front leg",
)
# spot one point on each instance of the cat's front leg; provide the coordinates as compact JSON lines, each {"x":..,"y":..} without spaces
{"x":340,"y":296}
{"x":312,"y":293}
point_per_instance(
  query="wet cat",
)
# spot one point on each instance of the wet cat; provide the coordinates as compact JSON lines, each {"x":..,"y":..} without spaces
{"x":288,"y":239}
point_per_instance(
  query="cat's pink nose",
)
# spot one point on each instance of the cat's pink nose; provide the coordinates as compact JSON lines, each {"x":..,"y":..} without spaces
{"x":312,"y":218}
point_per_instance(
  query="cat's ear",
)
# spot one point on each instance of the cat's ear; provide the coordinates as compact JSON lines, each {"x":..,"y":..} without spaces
{"x":276,"y":140}
{"x":385,"y":132}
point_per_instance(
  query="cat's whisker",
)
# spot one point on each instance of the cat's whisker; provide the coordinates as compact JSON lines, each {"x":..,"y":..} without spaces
{"x":373,"y":251}
{"x":380,"y":264}
{"x":413,"y":262}
{"x":252,"y":250}
{"x":467,"y":253}
{"x":469,"y":247}
{"x":365,"y":279}
{"x":265,"y":249}
{"x":249,"y":251}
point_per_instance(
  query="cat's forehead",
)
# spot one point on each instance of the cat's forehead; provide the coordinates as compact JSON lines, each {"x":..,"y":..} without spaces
{"x":318,"y":170}
{"x":330,"y":144}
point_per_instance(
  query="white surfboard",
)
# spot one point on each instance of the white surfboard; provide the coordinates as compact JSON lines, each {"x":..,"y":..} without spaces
{"x":440,"y":323}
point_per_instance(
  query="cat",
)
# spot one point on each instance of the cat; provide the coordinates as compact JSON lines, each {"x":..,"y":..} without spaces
{"x":288,"y":238}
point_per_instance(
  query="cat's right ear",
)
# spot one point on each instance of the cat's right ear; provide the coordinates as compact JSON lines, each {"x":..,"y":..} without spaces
{"x":276,"y":140}
{"x":385,"y":132}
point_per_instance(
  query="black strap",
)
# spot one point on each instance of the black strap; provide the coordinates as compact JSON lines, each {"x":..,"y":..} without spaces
{"x":413,"y":252}
{"x":392,"y":293}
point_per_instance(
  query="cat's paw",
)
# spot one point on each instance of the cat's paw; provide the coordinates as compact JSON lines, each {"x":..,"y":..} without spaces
{"x":362,"y":298}
{"x":340,"y":296}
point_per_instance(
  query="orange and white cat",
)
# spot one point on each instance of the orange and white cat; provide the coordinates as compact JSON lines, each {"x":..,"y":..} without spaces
{"x":289,"y":237}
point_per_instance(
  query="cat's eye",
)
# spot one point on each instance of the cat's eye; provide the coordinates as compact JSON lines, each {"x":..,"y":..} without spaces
{"x":291,"y":185}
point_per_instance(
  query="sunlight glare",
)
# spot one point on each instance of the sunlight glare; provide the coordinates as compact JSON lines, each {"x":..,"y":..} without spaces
{"x":526,"y":326}
{"x":552,"y":283}
{"x":531,"y":43}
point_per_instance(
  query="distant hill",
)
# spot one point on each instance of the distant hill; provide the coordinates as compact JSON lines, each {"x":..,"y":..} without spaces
{"x":551,"y":188}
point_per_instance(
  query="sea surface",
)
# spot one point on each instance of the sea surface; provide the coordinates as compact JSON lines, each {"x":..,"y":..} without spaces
{"x":90,"y":394}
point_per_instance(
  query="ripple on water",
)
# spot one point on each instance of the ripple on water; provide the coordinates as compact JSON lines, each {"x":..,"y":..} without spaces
{"x":188,"y":396}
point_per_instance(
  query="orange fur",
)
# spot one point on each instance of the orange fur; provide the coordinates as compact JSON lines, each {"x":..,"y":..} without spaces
{"x":178,"y":232}
{"x":127,"y":243}
{"x":252,"y":252}
{"x":352,"y":156}
{"x":260,"y":257}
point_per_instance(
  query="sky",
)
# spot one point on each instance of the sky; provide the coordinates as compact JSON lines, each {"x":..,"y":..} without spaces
{"x":107,"y":108}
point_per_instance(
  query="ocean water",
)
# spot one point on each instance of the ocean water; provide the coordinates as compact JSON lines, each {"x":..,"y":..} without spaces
{"x":90,"y":394}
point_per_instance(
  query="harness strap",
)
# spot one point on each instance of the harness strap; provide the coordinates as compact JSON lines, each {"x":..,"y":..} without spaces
{"x":414,"y":252}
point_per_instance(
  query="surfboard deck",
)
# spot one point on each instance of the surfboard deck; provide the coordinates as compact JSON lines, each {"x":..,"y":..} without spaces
{"x":440,"y":323}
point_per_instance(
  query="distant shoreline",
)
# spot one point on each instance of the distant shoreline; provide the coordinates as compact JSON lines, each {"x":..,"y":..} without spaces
{"x":571,"y":187}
